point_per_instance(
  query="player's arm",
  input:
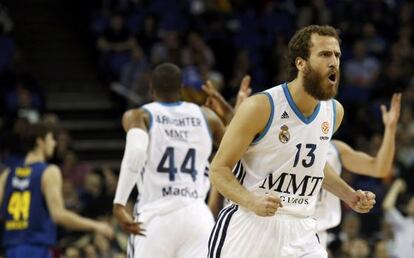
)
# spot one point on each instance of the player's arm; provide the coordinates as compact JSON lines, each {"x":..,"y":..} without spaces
{"x":215,"y":200}
{"x":380,"y":165}
{"x":215,"y":125}
{"x":52,"y":190}
{"x":136,"y":123}
{"x":248,"y":122}
{"x":219,"y":105}
{"x":3,"y":179}
{"x":360,"y":201}
{"x":397,"y":187}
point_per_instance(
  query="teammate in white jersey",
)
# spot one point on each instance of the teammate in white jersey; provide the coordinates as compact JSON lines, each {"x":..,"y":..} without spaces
{"x":166,"y":154}
{"x":279,"y":140}
{"x":340,"y":154}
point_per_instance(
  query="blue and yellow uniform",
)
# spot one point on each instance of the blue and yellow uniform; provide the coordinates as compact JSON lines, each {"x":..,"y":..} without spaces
{"x":28,"y":227}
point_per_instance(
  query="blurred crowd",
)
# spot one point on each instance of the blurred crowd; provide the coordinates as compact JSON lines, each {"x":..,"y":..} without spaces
{"x":222,"y":40}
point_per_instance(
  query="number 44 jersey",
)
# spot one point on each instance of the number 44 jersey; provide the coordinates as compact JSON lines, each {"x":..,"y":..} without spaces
{"x":288,"y":158}
{"x":180,"y":144}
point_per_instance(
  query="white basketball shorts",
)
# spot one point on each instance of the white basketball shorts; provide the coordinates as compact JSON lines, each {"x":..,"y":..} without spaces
{"x":183,"y":233}
{"x":241,"y":233}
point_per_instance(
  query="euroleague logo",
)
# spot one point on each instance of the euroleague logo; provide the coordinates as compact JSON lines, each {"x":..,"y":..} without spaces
{"x":325,"y":127}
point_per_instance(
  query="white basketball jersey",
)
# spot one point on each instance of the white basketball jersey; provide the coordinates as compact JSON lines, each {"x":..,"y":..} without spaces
{"x":177,"y":157}
{"x":288,"y":158}
{"x":328,"y":207}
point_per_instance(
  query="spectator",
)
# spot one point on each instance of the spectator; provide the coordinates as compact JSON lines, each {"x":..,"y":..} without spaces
{"x":403,"y":227}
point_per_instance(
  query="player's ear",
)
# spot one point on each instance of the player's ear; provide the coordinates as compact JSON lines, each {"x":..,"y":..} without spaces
{"x":300,"y":64}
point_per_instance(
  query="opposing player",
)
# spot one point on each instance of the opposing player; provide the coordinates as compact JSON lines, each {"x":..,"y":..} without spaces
{"x":279,"y":140}
{"x":167,"y":149}
{"x":340,"y":154}
{"x":32,"y":203}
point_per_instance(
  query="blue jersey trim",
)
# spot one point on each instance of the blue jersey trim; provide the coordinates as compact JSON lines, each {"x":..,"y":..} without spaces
{"x":170,"y":104}
{"x":150,"y":117}
{"x":207,"y":124}
{"x":269,"y":121}
{"x":337,"y":154}
{"x":306,"y":120}
{"x":334,"y":115}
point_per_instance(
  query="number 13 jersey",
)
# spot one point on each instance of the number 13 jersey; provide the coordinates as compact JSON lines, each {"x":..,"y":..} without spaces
{"x":180,"y":144}
{"x":288,"y":158}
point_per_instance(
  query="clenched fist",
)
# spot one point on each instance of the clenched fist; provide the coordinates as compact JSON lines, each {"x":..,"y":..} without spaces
{"x":362,"y":201}
{"x":265,"y":205}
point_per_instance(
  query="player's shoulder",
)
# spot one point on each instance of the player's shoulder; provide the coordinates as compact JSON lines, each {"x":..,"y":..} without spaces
{"x":259,"y":102}
{"x":338,"y":106}
{"x":4,"y":173}
{"x":135,"y":113}
{"x":136,"y":117}
{"x":52,"y":170}
{"x":339,"y":113}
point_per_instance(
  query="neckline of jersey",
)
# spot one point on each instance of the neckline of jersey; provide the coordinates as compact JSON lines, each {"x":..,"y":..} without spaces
{"x":292,"y":104}
{"x":170,"y":104}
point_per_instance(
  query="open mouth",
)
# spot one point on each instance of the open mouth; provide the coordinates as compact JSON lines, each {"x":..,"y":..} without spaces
{"x":332,"y":78}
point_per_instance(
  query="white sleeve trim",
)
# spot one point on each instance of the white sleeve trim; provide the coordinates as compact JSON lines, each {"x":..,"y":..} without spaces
{"x":132,"y":163}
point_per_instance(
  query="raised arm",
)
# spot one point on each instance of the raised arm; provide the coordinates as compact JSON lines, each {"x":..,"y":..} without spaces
{"x":397,"y":187}
{"x":380,"y":165}
{"x":52,"y":190}
{"x":220,"y":106}
{"x":239,"y":135}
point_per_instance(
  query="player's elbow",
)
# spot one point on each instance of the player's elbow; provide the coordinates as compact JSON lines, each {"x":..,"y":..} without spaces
{"x":214,"y":174}
{"x":117,"y":208}
{"x":218,"y":174}
{"x":382,"y":171}
{"x":58,"y":215}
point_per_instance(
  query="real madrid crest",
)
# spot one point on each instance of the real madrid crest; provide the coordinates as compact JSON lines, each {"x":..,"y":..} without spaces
{"x":284,"y":135}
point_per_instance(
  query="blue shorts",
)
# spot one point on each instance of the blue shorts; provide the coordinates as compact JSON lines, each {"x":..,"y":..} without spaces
{"x":26,"y":250}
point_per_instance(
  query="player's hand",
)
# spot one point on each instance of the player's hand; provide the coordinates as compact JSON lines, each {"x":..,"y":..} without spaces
{"x":390,"y":117}
{"x":104,"y":229}
{"x":217,"y":103}
{"x":362,"y":201}
{"x":265,"y":205}
{"x":400,"y":184}
{"x":244,"y":91}
{"x":127,"y":222}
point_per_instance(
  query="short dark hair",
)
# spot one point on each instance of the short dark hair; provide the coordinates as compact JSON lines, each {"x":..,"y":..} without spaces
{"x":34,"y":131}
{"x":166,"y":79}
{"x":300,"y":44}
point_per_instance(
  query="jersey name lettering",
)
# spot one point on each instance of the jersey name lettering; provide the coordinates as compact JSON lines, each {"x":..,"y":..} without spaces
{"x":185,"y":121}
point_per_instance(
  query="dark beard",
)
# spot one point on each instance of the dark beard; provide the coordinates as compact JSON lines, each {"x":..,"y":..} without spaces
{"x":313,"y":84}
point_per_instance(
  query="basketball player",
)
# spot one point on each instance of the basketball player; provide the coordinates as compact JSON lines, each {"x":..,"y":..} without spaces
{"x":167,"y":148}
{"x":340,"y":154}
{"x":32,"y":203}
{"x":279,"y":140}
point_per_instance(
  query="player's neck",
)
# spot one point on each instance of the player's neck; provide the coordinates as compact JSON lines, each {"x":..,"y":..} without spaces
{"x":305,"y":102}
{"x":34,"y":157}
{"x":167,"y":98}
